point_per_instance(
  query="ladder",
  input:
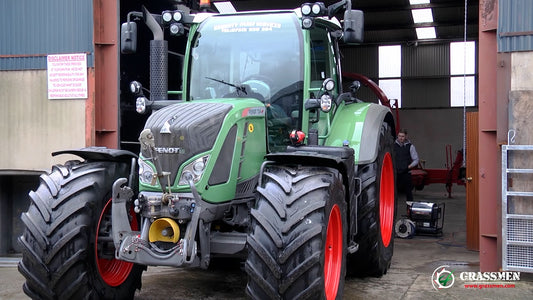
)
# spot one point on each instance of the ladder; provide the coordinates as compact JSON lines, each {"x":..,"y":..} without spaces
{"x":517,"y":209}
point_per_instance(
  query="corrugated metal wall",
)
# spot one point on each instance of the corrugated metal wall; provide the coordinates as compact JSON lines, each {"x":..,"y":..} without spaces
{"x":362,"y":60}
{"x":426,"y":60}
{"x":425,"y":76}
{"x":426,"y":93}
{"x":31,"y":29}
{"x":425,"y":72}
{"x":515,"y":25}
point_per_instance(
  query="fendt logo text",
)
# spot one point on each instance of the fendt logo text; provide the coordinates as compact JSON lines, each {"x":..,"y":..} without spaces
{"x":168,"y":150}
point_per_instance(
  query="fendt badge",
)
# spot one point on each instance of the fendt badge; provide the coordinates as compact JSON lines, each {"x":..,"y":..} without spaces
{"x":165,"y":128}
{"x":168,"y":150}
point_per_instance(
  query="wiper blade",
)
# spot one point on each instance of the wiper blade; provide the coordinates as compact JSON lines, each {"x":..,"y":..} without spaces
{"x":239,"y":88}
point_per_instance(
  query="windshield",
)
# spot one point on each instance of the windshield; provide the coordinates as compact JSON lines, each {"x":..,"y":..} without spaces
{"x":257,"y":56}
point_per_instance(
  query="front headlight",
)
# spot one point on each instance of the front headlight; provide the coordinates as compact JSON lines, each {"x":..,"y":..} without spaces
{"x":325,"y":103}
{"x":193,"y":171}
{"x":140,"y":104}
{"x":146,"y":172}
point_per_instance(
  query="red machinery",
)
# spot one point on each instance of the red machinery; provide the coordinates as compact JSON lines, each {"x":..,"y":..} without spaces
{"x":452,"y":174}
{"x":421,"y":177}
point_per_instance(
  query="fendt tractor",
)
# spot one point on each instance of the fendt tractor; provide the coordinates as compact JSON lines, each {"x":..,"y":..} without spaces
{"x":262,"y":157}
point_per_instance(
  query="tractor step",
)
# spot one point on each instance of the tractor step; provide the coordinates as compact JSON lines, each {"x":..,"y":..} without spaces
{"x":353,"y":247}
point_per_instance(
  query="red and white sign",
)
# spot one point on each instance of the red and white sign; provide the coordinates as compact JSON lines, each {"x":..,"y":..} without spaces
{"x":67,"y":76}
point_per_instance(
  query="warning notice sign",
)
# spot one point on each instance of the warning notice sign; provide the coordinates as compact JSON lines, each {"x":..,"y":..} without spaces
{"x":67,"y":76}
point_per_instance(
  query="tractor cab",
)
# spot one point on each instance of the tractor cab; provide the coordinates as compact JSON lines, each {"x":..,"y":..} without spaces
{"x":224,"y":63}
{"x":284,"y":66}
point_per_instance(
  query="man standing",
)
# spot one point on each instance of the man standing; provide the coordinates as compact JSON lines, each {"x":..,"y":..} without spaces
{"x":406,"y":159}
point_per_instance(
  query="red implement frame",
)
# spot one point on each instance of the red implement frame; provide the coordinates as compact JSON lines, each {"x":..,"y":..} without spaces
{"x":421,"y":176}
{"x":452,"y":174}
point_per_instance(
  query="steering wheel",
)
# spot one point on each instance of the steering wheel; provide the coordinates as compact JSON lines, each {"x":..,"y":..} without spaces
{"x":259,"y":85}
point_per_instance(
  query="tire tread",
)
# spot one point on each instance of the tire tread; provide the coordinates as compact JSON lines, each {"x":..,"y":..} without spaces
{"x":57,"y":242}
{"x":288,"y":228}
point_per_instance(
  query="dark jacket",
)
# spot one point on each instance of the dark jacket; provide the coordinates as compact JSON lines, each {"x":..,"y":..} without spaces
{"x":403,"y":157}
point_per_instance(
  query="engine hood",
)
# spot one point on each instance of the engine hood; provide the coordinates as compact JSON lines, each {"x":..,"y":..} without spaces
{"x":183,"y":130}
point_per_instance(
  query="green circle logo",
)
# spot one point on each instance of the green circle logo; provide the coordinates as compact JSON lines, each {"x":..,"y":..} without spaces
{"x":442,"y":278}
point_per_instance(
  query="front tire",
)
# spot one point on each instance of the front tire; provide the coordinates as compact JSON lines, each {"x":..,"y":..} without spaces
{"x":375,"y":213}
{"x":68,"y":251}
{"x":297,"y":243}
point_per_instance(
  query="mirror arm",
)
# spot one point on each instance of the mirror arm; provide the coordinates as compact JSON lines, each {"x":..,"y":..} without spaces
{"x":334,"y":8}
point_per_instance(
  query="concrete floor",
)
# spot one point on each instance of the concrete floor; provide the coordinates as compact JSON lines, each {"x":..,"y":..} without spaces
{"x":413,"y":263}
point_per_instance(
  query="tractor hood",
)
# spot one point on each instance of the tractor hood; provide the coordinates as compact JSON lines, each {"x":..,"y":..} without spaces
{"x":183,"y":130}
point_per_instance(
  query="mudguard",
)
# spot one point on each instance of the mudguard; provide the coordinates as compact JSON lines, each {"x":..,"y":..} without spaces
{"x":99,"y":153}
{"x":357,"y":125}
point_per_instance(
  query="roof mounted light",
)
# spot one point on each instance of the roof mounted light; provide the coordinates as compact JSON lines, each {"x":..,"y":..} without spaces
{"x":319,"y":9}
{"x":306,"y":9}
{"x":308,"y":22}
{"x":310,"y":11}
{"x":166,"y":16}
{"x":169,"y":16}
{"x":177,"y":15}
{"x":177,"y":29}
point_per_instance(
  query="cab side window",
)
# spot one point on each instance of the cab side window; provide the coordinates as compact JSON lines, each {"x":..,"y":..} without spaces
{"x":320,"y":57}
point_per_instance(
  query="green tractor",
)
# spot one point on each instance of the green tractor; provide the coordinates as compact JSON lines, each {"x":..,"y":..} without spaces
{"x":262,"y":158}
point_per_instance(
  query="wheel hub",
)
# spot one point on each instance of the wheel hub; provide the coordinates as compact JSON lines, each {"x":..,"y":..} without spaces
{"x":333,"y":253}
{"x":113,"y":271}
{"x":386,"y":199}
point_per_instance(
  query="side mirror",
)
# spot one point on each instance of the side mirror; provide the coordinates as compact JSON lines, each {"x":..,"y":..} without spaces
{"x":353,"y":26}
{"x":128,"y":38}
{"x":312,"y":104}
{"x":354,"y":87}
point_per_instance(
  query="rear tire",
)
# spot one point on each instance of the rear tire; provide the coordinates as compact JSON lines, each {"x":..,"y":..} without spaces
{"x":375,"y":212}
{"x":297,"y":244}
{"x":68,"y":252}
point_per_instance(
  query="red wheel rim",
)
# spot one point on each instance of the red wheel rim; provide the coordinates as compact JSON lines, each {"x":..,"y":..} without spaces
{"x":113,"y":271}
{"x":386,"y":199}
{"x":333,"y":253}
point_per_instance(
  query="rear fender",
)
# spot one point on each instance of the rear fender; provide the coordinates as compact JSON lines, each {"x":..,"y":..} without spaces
{"x":357,"y":125}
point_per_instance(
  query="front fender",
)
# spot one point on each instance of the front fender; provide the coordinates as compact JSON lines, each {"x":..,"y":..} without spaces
{"x":100,"y":153}
{"x":358,"y":126}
